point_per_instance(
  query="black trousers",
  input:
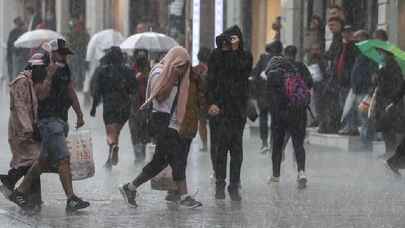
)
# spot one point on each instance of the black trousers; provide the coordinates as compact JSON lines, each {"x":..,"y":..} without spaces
{"x":294,"y":123}
{"x":214,"y":138}
{"x":263,"y":124}
{"x":398,"y":160}
{"x":230,"y":139}
{"x":169,"y":151}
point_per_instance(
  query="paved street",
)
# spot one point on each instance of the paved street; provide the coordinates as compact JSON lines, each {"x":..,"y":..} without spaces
{"x":346,"y":190}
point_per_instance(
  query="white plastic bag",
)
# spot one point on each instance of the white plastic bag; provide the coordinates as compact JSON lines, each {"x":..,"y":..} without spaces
{"x":316,"y":72}
{"x":164,"y":180}
{"x":80,"y":147}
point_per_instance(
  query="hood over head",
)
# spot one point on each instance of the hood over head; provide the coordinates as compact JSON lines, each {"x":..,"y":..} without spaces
{"x":234,"y":30}
{"x":275,"y":47}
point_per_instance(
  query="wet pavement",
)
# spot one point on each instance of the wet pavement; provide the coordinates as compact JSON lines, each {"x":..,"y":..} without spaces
{"x":345,"y":190}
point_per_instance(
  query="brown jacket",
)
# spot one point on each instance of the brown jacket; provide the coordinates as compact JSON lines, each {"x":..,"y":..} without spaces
{"x":23,"y":116}
{"x":196,"y":104}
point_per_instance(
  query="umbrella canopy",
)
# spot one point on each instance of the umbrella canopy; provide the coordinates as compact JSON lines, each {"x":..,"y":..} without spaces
{"x":150,"y":41}
{"x":35,"y":38}
{"x":369,"y":49}
{"x":101,"y":41}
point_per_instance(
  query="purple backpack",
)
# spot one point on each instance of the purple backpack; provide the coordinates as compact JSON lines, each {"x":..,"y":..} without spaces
{"x":296,"y":90}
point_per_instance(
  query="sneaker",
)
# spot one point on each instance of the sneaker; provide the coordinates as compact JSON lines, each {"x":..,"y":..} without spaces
{"x":392,"y":168}
{"x":302,"y":179}
{"x":6,"y":187}
{"x":172,"y":197}
{"x":234,"y":193}
{"x":190,"y":202}
{"x":220,"y":192}
{"x":129,"y":196}
{"x":274,"y":179}
{"x":114,"y":155}
{"x":74,"y":203}
{"x":19,"y":199}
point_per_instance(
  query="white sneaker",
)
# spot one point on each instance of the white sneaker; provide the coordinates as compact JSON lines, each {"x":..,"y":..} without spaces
{"x":302,"y":179}
{"x":264,"y":150}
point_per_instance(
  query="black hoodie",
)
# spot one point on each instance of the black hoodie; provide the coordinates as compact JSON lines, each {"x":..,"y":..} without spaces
{"x":228,"y":73}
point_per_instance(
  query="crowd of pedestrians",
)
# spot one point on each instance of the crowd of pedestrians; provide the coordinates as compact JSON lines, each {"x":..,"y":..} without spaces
{"x":169,"y":103}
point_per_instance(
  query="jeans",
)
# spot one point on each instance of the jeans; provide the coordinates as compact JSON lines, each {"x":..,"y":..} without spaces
{"x":53,"y":143}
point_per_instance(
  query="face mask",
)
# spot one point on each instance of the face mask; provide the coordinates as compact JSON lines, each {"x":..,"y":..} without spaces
{"x":38,"y":73}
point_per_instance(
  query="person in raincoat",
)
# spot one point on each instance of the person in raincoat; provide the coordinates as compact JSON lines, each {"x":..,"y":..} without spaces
{"x":137,"y":119}
{"x":274,"y":48}
{"x":397,"y":161}
{"x":389,"y":123}
{"x":188,"y":129}
{"x":229,"y":69}
{"x":167,"y":97}
{"x":116,"y":87}
{"x":22,"y":131}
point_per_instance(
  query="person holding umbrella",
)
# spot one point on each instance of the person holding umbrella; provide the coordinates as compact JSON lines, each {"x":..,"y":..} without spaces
{"x":116,"y":86}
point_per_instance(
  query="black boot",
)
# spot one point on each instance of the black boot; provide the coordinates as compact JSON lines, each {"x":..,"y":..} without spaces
{"x":220,"y":191}
{"x":233,"y":190}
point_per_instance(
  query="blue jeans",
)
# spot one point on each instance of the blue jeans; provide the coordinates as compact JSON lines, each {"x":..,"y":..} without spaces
{"x":53,"y":144}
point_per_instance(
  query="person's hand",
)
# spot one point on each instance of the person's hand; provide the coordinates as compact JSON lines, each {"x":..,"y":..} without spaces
{"x":213,"y":110}
{"x":79,"y":122}
{"x":389,"y":107}
{"x":93,"y":112}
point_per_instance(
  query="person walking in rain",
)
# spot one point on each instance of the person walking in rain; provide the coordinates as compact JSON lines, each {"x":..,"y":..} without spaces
{"x":390,"y":123}
{"x":397,"y":161}
{"x":274,"y":48}
{"x":116,"y":87}
{"x":22,"y":129}
{"x":137,"y":119}
{"x":167,"y":97}
{"x":289,"y":98}
{"x":56,"y":95}
{"x":229,"y":69}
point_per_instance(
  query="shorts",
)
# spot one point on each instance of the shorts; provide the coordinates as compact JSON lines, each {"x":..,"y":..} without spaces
{"x":53,"y":145}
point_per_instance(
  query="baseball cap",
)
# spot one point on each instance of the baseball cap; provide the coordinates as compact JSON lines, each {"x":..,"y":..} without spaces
{"x":59,"y":45}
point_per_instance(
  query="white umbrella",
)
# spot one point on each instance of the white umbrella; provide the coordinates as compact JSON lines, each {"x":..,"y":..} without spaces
{"x":151,"y":41}
{"x":36,"y":38}
{"x":102,"y":41}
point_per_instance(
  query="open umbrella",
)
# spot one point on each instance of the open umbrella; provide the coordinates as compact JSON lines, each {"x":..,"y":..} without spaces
{"x":150,"y":41}
{"x":102,"y":41}
{"x":35,"y":38}
{"x":369,"y":49}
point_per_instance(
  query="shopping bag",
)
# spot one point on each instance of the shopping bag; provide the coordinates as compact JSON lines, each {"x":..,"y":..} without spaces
{"x":164,"y":180}
{"x":80,"y":147}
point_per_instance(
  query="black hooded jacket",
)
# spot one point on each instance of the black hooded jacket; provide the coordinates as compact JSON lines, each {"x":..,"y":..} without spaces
{"x":228,"y":78}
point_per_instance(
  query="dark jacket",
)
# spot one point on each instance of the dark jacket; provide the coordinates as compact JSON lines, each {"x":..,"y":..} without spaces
{"x":361,"y":75}
{"x":228,"y":78}
{"x":349,"y":58}
{"x":389,"y":82}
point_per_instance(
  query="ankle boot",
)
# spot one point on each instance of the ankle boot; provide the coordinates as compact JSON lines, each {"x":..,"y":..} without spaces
{"x":234,"y":193}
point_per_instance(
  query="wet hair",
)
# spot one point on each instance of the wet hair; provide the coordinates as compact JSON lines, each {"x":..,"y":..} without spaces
{"x":115,"y":55}
{"x":291,"y":51}
{"x":381,"y":33}
{"x":204,"y":54}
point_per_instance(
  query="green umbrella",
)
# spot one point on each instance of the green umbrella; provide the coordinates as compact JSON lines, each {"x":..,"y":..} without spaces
{"x":369,"y":49}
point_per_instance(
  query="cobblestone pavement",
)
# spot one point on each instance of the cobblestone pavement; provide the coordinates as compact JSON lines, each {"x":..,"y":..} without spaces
{"x":345,"y":190}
